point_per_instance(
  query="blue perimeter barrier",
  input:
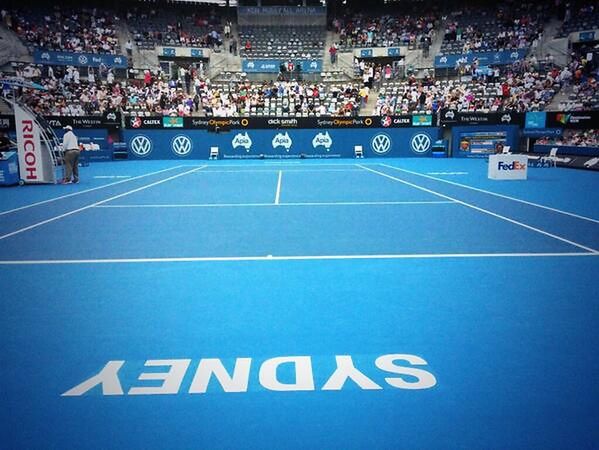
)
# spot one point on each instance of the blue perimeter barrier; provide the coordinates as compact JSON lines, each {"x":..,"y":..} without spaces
{"x":277,"y":143}
{"x":567,"y":150}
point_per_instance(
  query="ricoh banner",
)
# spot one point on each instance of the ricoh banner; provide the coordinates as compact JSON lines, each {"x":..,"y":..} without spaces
{"x":35,"y":165}
{"x":281,"y":143}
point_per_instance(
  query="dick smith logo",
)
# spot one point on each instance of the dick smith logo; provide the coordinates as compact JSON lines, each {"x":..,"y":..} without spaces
{"x":400,"y":371}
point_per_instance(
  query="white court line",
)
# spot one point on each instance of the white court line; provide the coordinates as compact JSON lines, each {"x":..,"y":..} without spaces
{"x":112,"y":176}
{"x":278,"y":194}
{"x":495,"y":194}
{"x":486,"y":211}
{"x":251,"y":205}
{"x":52,"y":219}
{"x":295,"y":258}
{"x":86,"y":190}
{"x":203,"y":172}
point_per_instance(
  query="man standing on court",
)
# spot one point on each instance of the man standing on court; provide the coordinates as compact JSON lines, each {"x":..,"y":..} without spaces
{"x":70,"y":146}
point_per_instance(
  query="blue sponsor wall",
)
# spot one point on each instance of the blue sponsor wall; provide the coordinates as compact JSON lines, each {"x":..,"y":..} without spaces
{"x":484,"y":58}
{"x":79,"y":59}
{"x":483,"y":139}
{"x":281,"y":143}
{"x":98,"y":136}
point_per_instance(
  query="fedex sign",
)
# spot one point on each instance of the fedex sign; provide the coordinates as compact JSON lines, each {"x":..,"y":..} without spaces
{"x":508,"y":167}
{"x":515,"y":165}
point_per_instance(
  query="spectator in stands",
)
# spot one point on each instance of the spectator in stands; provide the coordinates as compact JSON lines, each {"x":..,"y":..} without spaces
{"x":333,"y":53}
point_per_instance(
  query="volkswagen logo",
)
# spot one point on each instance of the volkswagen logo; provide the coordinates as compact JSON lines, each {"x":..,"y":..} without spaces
{"x":181,"y":145}
{"x":141,"y":145}
{"x":420,"y":143}
{"x":381,"y":144}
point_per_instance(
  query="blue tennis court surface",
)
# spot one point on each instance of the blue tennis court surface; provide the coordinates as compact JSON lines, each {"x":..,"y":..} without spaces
{"x":347,"y":304}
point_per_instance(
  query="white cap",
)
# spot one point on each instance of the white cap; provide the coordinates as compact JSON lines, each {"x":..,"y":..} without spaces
{"x":68,"y":127}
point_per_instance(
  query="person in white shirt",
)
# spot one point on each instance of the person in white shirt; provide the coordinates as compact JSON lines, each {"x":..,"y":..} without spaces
{"x":70,"y":146}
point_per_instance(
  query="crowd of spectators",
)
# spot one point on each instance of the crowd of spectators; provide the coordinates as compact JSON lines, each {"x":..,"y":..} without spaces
{"x":65,"y":29}
{"x":360,"y":30}
{"x":574,"y":138}
{"x":197,"y":27}
{"x":579,"y":18}
{"x":581,"y":76}
{"x":70,"y":92}
{"x":271,"y":98}
{"x":502,"y":28}
{"x":519,"y":88}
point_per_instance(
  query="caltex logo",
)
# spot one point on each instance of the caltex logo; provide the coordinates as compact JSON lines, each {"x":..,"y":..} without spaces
{"x":420,"y":143}
{"x":381,"y":144}
{"x":386,"y":121}
{"x":141,"y":145}
{"x":181,"y":145}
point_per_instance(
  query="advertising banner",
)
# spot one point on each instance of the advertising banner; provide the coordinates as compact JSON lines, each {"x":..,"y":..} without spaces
{"x":484,"y":58}
{"x":31,"y":161}
{"x":79,"y":59}
{"x":274,"y":65}
{"x":281,"y":144}
{"x":449,"y":117}
{"x":107,"y":120}
{"x":576,"y":120}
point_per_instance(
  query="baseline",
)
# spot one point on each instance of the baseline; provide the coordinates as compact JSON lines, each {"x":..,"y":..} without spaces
{"x":297,"y":258}
{"x":485,"y":211}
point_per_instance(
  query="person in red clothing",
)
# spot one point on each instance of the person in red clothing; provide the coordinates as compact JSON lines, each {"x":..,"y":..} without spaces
{"x":505,"y":90}
{"x":248,"y":46}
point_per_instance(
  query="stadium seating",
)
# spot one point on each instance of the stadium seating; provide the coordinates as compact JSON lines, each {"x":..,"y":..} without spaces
{"x":282,"y":42}
{"x":174,"y":28}
{"x":359,"y":30}
{"x":82,"y":30}
{"x":491,"y":30}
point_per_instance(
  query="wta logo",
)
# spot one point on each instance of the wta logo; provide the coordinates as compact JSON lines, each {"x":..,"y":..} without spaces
{"x":511,"y":166}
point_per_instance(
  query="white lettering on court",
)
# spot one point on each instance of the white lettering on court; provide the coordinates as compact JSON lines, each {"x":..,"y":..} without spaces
{"x":238,"y":382}
{"x":426,"y":380}
{"x":171,"y":380}
{"x":346,"y":370}
{"x":237,"y":379}
{"x":304,"y":381}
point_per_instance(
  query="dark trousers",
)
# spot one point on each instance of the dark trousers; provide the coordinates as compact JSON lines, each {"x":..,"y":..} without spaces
{"x":71,"y":162}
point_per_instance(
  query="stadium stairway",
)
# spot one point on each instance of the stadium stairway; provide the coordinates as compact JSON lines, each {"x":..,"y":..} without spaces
{"x":11,"y":47}
{"x":145,"y":59}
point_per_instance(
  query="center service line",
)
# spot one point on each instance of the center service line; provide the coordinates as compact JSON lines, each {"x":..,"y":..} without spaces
{"x":486,"y":211}
{"x":52,"y":219}
{"x":86,"y":190}
{"x":278,"y":195}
